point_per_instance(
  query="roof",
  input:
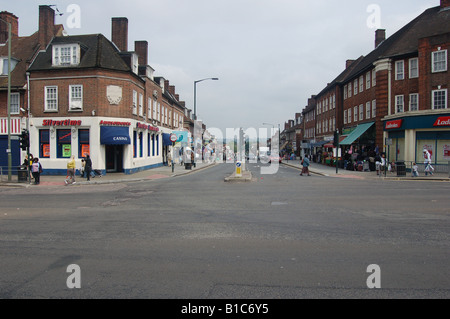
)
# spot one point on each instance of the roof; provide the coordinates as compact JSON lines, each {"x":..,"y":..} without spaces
{"x":23,"y":49}
{"x":96,"y":52}
{"x":430,"y":23}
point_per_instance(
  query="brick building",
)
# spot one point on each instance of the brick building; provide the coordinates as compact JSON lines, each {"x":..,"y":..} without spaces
{"x":398,"y":94}
{"x":90,"y":95}
{"x":23,"y":52}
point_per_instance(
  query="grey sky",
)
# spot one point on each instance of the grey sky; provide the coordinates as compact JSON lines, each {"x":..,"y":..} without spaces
{"x":270,"y":55}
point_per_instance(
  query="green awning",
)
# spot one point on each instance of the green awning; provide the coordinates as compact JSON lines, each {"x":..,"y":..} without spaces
{"x":360,"y":130}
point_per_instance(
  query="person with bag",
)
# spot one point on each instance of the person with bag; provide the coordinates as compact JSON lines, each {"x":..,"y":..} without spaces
{"x":36,"y":170}
{"x":70,"y":179}
{"x":305,"y":164}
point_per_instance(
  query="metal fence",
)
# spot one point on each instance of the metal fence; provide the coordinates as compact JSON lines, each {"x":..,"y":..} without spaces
{"x":438,"y":168}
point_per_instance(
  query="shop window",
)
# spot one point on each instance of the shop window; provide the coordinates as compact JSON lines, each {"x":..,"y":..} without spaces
{"x":64,"y":144}
{"x":149,"y":138}
{"x":141,"y":144}
{"x":83,"y":143}
{"x":44,"y":143}
{"x":134,"y":144}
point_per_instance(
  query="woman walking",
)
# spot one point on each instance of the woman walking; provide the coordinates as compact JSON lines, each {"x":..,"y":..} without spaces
{"x":36,"y":170}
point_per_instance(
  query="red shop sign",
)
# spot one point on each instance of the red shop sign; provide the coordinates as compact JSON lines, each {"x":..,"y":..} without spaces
{"x":443,"y":121}
{"x":394,"y":124}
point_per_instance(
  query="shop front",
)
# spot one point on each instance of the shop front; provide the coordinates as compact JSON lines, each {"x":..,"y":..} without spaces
{"x":407,"y":137}
{"x":114,"y":145}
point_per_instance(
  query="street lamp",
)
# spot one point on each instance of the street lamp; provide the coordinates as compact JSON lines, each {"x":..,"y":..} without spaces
{"x":195,"y":94}
{"x":9,"y":101}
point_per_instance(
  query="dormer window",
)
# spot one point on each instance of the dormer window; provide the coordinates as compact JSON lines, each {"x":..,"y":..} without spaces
{"x":66,"y":55}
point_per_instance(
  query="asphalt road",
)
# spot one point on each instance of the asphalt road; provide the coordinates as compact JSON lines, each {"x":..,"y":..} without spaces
{"x":280,"y":236}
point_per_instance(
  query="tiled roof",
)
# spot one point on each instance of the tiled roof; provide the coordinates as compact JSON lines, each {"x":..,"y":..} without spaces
{"x":96,"y":52}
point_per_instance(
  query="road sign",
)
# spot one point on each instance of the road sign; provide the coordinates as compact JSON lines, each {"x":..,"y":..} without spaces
{"x":238,"y":169}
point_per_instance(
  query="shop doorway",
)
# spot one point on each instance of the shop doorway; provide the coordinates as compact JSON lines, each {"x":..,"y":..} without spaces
{"x":114,"y":158}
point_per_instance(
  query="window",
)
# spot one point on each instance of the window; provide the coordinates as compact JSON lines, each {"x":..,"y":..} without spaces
{"x":134,"y":102}
{"x":51,"y":98}
{"x":374,"y":108}
{"x":355,"y":114}
{"x":83,"y":143}
{"x":76,"y":97}
{"x":4,"y":65}
{"x":141,"y":105}
{"x":154,"y":110}
{"x":66,"y":55}
{"x":149,"y":110}
{"x":400,"y":70}
{"x":345,"y":91}
{"x":44,"y":143}
{"x":361,"y":84}
{"x":368,"y":106}
{"x":345,"y":117}
{"x":413,"y":68}
{"x":361,"y":112}
{"x":349,"y":116}
{"x":64,"y":143}
{"x":374,"y":78}
{"x":355,"y":87}
{"x":350,"y":89}
{"x":439,"y":99}
{"x":439,"y":61}
{"x":15,"y":103}
{"x":134,"y":144}
{"x":399,"y":104}
{"x":368,"y":77}
{"x":414,"y":102}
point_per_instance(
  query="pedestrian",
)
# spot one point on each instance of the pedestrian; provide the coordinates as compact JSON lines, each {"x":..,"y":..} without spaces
{"x":88,"y":167}
{"x":305,"y":164}
{"x":169,"y":159}
{"x":428,"y":168}
{"x":378,"y":162}
{"x":70,"y":179}
{"x":36,"y":170}
{"x":82,"y":169}
{"x":415,"y":170}
{"x":192,"y":158}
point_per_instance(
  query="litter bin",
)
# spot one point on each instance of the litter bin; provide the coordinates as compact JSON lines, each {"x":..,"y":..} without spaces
{"x":22,"y":173}
{"x":188,"y":165}
{"x":401,"y":168}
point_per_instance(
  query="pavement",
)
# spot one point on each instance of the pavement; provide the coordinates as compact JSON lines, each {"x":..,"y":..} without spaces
{"x":166,"y":172}
{"x":152,"y":174}
{"x":324,"y":170}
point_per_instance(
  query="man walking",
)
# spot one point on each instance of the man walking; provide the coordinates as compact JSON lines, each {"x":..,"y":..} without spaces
{"x":88,"y":167}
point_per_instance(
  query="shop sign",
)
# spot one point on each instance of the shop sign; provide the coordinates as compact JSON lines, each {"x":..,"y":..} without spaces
{"x":394,"y":124}
{"x":115,"y":123}
{"x":61,"y":123}
{"x":147,"y":127}
{"x":443,"y":121}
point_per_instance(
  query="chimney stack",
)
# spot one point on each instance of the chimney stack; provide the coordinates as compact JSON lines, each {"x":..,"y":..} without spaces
{"x":380,"y":36}
{"x":10,"y":18}
{"x":445,"y":4}
{"x":46,"y":25}
{"x":120,"y":33}
{"x":348,"y":63}
{"x":141,"y":49}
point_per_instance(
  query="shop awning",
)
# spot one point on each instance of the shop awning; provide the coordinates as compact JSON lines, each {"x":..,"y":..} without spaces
{"x":166,"y":139}
{"x":114,"y":135}
{"x":360,"y":130}
{"x":319,"y":144}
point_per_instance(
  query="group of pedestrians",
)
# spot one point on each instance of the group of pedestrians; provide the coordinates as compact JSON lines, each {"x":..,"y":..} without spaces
{"x":86,"y":169}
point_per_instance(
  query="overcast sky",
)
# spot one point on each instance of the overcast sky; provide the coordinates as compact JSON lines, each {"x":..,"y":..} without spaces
{"x":270,"y":55}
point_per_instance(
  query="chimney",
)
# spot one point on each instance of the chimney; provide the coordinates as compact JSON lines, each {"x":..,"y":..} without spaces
{"x":141,"y":49}
{"x":445,"y":4}
{"x":46,"y":25}
{"x":119,"y":33}
{"x":10,"y":18}
{"x":166,"y":85}
{"x":348,"y":63}
{"x":172,"y":90}
{"x":380,"y":36}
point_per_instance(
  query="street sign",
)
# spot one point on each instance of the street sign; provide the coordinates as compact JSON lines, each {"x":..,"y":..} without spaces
{"x":238,"y":169}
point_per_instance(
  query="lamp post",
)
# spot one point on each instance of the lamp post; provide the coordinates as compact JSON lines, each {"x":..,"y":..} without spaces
{"x":9,"y":101}
{"x":195,"y":94}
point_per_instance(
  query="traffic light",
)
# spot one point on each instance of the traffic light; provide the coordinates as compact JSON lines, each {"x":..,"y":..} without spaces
{"x":24,"y":140}
{"x":336,"y":139}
